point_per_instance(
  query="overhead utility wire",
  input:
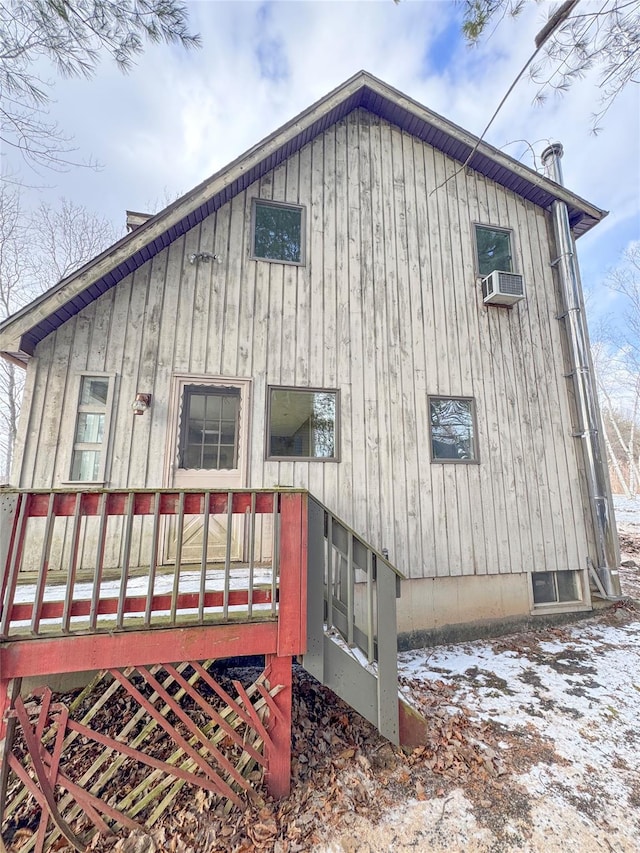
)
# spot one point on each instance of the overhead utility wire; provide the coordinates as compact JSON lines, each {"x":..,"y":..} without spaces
{"x":559,"y":17}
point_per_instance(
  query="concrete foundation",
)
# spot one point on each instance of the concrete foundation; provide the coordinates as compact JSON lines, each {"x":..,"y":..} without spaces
{"x":432,"y":611}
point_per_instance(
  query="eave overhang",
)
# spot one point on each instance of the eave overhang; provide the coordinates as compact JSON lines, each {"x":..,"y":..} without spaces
{"x":21,"y":333}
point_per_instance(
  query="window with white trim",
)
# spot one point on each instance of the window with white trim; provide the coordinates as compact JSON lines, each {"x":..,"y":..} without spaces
{"x":555,"y":587}
{"x":90,"y":434}
{"x":277,"y":232}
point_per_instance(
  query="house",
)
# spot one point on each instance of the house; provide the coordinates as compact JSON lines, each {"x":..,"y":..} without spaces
{"x":367,"y":306}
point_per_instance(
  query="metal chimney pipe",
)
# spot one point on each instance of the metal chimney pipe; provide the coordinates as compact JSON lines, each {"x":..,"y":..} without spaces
{"x":588,"y":412}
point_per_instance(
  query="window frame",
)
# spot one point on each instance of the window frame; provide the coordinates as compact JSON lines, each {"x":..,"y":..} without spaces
{"x":104,"y":445}
{"x":285,"y":205}
{"x":474,"y":420}
{"x":512,"y":243}
{"x":305,"y":390}
{"x":212,"y":390}
{"x":557,"y":603}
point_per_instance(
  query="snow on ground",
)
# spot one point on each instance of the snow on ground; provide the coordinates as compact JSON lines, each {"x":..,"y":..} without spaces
{"x":627,"y":512}
{"x":573,"y":693}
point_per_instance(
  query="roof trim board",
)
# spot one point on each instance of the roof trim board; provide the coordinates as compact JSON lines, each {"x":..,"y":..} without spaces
{"x":20,"y":334}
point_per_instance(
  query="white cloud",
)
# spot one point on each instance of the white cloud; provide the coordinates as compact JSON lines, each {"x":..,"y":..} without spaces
{"x":178,"y":117}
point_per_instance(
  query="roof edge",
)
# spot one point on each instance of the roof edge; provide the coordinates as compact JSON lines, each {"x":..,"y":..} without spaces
{"x":150,"y":237}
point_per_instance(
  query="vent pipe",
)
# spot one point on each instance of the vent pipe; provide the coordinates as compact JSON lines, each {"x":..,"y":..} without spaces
{"x":588,"y":412}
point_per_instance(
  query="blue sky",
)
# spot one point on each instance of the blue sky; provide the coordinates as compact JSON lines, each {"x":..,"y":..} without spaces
{"x":177,"y":117}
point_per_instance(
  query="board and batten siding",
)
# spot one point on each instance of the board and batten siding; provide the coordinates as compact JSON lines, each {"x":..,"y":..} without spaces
{"x":388,"y":309}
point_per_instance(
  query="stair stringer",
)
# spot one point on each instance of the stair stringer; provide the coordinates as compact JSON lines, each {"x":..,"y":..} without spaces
{"x":373,"y":694}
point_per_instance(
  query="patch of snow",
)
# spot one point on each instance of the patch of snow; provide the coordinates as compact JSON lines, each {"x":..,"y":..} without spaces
{"x":582,"y":694}
{"x":138,"y":586}
{"x":627,"y":512}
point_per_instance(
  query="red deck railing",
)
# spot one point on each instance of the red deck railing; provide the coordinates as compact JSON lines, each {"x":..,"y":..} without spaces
{"x":86,"y":585}
{"x":86,"y":562}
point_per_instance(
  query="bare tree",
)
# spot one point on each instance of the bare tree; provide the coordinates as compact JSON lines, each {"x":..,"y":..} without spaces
{"x":37,"y":250}
{"x":616,"y":354}
{"x":14,"y":239}
{"x":68,"y":236}
{"x":625,"y":280}
{"x":603,"y":36}
{"x":72,"y":35}
{"x":619,"y":393}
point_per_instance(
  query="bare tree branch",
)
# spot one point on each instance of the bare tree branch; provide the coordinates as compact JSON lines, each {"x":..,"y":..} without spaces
{"x":36,"y":251}
{"x":72,"y":35}
{"x":606,"y":38}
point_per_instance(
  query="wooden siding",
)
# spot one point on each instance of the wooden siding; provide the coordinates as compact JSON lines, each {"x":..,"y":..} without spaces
{"x":388,"y":309}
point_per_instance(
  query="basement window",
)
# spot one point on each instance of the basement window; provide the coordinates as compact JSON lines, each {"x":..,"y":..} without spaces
{"x":302,"y":424}
{"x":453,"y":429}
{"x":90,"y":435}
{"x":555,"y":587}
{"x":493,"y":250}
{"x":277,"y":232}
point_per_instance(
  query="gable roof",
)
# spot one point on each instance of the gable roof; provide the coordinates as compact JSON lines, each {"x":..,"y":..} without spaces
{"x":20,"y":334}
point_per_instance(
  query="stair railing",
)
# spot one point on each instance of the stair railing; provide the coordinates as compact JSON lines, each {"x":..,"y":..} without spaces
{"x":351,"y":594}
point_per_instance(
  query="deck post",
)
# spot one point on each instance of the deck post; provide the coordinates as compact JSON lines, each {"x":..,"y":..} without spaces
{"x":8,"y":514}
{"x":292,"y":611}
{"x":278,"y":671}
{"x":9,"y":691}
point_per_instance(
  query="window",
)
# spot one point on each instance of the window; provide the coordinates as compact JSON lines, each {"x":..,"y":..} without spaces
{"x":302,"y":424}
{"x":90,"y":436}
{"x":277,"y":232}
{"x":453,"y":432}
{"x":493,"y":247}
{"x":553,"y":587}
{"x":209,"y":428}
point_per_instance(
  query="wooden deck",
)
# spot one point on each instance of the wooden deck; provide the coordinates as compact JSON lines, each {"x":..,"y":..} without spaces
{"x":66,"y":607}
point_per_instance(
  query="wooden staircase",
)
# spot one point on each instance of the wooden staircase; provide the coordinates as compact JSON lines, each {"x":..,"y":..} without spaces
{"x":351,"y":620}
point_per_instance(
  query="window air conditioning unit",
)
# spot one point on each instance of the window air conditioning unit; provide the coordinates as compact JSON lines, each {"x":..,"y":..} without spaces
{"x":502,"y":288}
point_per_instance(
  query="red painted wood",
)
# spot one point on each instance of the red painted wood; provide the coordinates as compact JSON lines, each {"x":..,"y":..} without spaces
{"x":14,"y":561}
{"x":27,"y":781}
{"x":213,"y":714}
{"x":256,"y":722}
{"x":278,"y":670}
{"x":292,"y":634}
{"x":64,"y":503}
{"x":43,"y":717}
{"x":177,"y":709}
{"x":91,"y":805}
{"x":304,"y":562}
{"x":137,"y":604}
{"x":132,"y":648}
{"x":46,"y":785}
{"x":221,"y":692}
{"x":9,"y":690}
{"x":277,"y":640}
{"x":212,"y":784}
{"x":219,"y":784}
{"x":5,"y":705}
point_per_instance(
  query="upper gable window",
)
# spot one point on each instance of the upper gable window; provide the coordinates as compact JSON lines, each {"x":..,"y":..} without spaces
{"x":494,"y":250}
{"x":277,"y":232}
